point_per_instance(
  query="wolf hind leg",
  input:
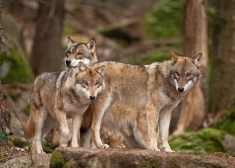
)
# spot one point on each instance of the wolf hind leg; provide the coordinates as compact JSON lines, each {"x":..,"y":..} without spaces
{"x":40,"y":117}
{"x":146,"y":126}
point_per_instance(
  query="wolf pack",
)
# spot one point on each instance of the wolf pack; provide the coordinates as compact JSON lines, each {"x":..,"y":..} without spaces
{"x":108,"y":104}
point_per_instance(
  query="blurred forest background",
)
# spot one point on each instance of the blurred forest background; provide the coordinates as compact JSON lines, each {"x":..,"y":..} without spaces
{"x":130,"y":31}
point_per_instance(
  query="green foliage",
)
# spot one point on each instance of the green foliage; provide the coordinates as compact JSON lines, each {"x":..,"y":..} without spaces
{"x":67,"y":30}
{"x":3,"y":136}
{"x":205,"y":141}
{"x":164,"y":20}
{"x":227,"y":124}
{"x":57,"y":160}
{"x":19,"y":71}
{"x":157,"y":55}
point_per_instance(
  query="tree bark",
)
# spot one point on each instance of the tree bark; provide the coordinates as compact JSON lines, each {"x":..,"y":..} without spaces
{"x":222,"y":78}
{"x":47,"y":47}
{"x":193,"y":107}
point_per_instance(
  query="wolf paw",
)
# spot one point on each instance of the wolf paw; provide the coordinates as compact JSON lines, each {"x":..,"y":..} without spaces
{"x":155,"y":149}
{"x":105,"y":146}
{"x":63,"y":145}
{"x":167,"y":150}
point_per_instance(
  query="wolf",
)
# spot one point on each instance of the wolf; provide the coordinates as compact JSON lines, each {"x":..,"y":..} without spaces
{"x":56,"y":96}
{"x":6,"y":116}
{"x":151,"y":91}
{"x":80,"y":52}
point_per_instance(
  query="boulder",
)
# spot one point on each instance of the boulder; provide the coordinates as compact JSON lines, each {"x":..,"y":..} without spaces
{"x":125,"y":158}
{"x":25,"y":161}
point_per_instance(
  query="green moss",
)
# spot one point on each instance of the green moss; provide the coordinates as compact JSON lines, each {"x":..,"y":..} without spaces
{"x":19,"y":72}
{"x":227,"y":124}
{"x":164,"y":20}
{"x":57,"y":160}
{"x":27,"y":109}
{"x":47,"y":147}
{"x":17,"y":142}
{"x":153,"y":163}
{"x":205,"y":141}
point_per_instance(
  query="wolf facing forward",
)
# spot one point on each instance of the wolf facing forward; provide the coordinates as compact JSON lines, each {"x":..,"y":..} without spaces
{"x":59,"y":95}
{"x":152,"y":92}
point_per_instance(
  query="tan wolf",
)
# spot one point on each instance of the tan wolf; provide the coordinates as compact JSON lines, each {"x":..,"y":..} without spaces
{"x":56,"y":96}
{"x":80,"y":52}
{"x":152,"y":90}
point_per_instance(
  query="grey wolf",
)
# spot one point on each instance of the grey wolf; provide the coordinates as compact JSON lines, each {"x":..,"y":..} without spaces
{"x":152,"y":90}
{"x":80,"y":52}
{"x":56,"y":96}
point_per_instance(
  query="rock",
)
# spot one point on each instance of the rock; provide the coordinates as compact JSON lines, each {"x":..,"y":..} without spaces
{"x":81,"y":157}
{"x":229,"y":143}
{"x":25,"y":161}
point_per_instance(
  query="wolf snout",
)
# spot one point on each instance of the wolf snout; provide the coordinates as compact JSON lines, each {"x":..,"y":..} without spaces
{"x":92,"y":97}
{"x":68,"y":62}
{"x":180,"y":89}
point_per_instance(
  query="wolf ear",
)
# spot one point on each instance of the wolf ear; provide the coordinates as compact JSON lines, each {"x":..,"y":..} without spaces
{"x":197,"y":59}
{"x":81,"y":66}
{"x":174,"y":57}
{"x":70,"y":42}
{"x":100,"y":70}
{"x":91,"y":45}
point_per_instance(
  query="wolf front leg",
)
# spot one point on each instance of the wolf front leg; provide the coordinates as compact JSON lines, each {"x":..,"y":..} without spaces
{"x":40,"y":117}
{"x":77,"y":121}
{"x":164,"y":123}
{"x":101,"y":105}
{"x":61,"y":117}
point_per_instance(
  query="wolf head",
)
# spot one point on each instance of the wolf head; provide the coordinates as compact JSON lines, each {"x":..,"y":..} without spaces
{"x":89,"y":80}
{"x":6,"y":116}
{"x":184,"y":72}
{"x":80,"y":52}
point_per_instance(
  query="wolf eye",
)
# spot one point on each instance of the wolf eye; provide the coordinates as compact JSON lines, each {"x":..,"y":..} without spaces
{"x":177,"y":74}
{"x":188,"y":74}
{"x":85,"y":83}
{"x":96,"y":83}
{"x":68,"y":53}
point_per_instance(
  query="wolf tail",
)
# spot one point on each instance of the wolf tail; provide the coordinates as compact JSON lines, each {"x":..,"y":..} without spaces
{"x":29,"y":127}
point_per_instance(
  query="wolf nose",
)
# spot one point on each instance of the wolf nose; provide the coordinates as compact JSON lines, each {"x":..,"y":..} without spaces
{"x":68,"y":62}
{"x":180,"y":89}
{"x":92,"y":97}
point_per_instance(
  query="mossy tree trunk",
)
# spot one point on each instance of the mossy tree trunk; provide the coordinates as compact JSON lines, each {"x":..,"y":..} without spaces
{"x":47,"y":47}
{"x":193,"y":107}
{"x":222,"y":78}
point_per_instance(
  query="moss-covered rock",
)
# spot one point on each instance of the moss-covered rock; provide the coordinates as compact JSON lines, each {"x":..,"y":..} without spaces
{"x":205,"y":141}
{"x":18,"y":141}
{"x":57,"y":161}
{"x":14,"y":70}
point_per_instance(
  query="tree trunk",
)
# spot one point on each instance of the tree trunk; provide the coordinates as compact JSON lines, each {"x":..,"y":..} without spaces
{"x":47,"y":47}
{"x":222,"y":81}
{"x":193,"y":107}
